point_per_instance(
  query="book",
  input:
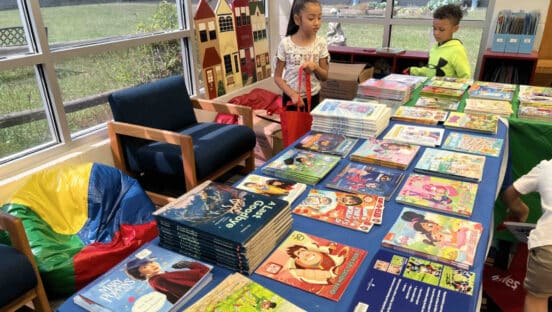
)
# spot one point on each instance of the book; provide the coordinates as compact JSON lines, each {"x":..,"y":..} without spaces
{"x":410,"y":80}
{"x":395,"y":282}
{"x":353,"y":211}
{"x":534,"y":94}
{"x":474,"y":122}
{"x":366,"y":179}
{"x":520,"y":230}
{"x":488,"y":106}
{"x":269,"y":186}
{"x":437,"y":103}
{"x":475,"y":144}
{"x":239,"y":293}
{"x":331,"y":143}
{"x":435,"y":91}
{"x":313,"y":264}
{"x":454,"y":84}
{"x":435,"y":236}
{"x":420,"y":115}
{"x":451,"y":164}
{"x":412,"y":134}
{"x":441,"y":194}
{"x":150,"y":279}
{"x":385,"y":153}
{"x":492,"y":90}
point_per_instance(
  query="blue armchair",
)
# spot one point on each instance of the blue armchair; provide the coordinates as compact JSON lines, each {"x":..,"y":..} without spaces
{"x":156,"y":137}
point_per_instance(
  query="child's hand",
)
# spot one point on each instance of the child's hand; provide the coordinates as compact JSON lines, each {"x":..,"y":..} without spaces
{"x":310,"y":67}
{"x":297,"y":100}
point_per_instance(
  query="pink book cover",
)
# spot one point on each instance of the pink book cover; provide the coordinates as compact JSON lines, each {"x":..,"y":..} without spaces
{"x":354,"y":211}
{"x":386,"y":153}
{"x":313,"y":264}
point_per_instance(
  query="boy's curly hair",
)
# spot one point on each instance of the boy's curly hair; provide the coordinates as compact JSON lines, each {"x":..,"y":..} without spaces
{"x":452,"y":12}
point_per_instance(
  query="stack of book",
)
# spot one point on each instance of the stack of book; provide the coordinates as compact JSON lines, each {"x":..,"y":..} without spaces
{"x":472,"y":122}
{"x":421,"y":115}
{"x":350,"y":118}
{"x":448,"y":104}
{"x":492,"y":91}
{"x":535,"y":103}
{"x":448,"y":88}
{"x":385,"y":153}
{"x":224,"y":225}
{"x":301,"y":166}
{"x":409,"y":80}
{"x":490,"y":107}
{"x":391,"y":92}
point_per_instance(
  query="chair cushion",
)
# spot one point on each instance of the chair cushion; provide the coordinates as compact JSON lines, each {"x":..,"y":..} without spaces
{"x":17,"y":274}
{"x":214,"y":146}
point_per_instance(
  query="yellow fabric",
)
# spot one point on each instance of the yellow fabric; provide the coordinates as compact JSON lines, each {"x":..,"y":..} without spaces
{"x":59,"y":196}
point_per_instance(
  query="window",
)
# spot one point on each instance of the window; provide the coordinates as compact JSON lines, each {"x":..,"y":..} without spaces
{"x":228,"y":64}
{"x":226,"y":23}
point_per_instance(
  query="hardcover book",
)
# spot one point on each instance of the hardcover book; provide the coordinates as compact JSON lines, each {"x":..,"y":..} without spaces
{"x":385,"y":153}
{"x":475,"y":144}
{"x":412,"y":134}
{"x":354,"y":211}
{"x":445,"y":195}
{"x":452,"y":164}
{"x":274,"y":187}
{"x":406,"y":278}
{"x":492,"y":90}
{"x":313,"y":264}
{"x":475,"y":122}
{"x":150,"y":279}
{"x":420,"y":115}
{"x":239,"y":293}
{"x":366,"y":179}
{"x":330,"y":143}
{"x":437,"y":103}
{"x":435,"y":236}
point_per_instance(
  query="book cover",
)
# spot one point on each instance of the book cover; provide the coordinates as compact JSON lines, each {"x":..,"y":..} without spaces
{"x":349,"y":109}
{"x":404,"y":283}
{"x":520,"y":230}
{"x":445,"y":195}
{"x":492,"y":90}
{"x":412,"y":134}
{"x":150,"y":279}
{"x":534,"y":94}
{"x":435,"y":236}
{"x":475,"y":122}
{"x":453,"y":164}
{"x":475,"y":144}
{"x":274,"y":187}
{"x":448,"y":84}
{"x":313,"y":264}
{"x":488,"y":106}
{"x":437,"y":103}
{"x":410,"y":80}
{"x":420,"y":115}
{"x":353,"y":211}
{"x":385,"y":153}
{"x":432,"y":91}
{"x":330,"y":143}
{"x":239,"y":293}
{"x":366,"y":179}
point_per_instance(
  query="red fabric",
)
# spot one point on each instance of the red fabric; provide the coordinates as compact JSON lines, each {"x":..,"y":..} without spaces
{"x":296,"y":123}
{"x":256,"y":99}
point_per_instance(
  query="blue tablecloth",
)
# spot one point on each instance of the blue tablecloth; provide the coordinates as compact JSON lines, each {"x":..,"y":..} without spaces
{"x":483,"y":213}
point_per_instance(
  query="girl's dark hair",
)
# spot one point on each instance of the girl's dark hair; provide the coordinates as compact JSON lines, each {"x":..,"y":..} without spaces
{"x":452,"y":12}
{"x":296,"y":8}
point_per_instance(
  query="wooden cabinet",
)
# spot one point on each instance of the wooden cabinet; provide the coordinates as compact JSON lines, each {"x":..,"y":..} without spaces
{"x":516,"y":68}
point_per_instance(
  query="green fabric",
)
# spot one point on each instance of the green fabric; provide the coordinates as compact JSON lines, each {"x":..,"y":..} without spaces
{"x":453,"y":54}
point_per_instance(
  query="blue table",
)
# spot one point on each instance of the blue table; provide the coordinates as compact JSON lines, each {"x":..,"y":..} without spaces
{"x":483,"y":213}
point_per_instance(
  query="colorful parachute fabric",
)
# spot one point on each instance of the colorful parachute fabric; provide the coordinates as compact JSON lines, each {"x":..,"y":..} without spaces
{"x":81,"y":220}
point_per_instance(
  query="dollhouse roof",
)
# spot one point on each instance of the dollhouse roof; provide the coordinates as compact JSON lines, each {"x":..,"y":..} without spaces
{"x":203,"y":11}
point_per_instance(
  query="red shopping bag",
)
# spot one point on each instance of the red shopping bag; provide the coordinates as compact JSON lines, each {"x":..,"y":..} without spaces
{"x":296,"y":123}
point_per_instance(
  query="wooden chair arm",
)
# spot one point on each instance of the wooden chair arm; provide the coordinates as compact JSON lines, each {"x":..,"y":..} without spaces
{"x":18,"y":237}
{"x":244,"y":111}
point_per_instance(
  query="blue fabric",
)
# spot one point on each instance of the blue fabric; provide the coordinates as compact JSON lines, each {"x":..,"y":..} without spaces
{"x":214,"y":146}
{"x":17,"y":274}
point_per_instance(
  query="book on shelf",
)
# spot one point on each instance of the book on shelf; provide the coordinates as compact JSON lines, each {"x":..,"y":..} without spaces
{"x":438,"y":237}
{"x":239,"y":293}
{"x":274,"y":187}
{"x":472,"y":143}
{"x":385,"y":153}
{"x":313,"y":264}
{"x":492,"y":90}
{"x":330,"y":143}
{"x":150,"y":279}
{"x":366,"y":179}
{"x":419,"y":115}
{"x":394,"y":281}
{"x":520,"y":230}
{"x":451,"y":164}
{"x":437,"y":103}
{"x":440,"y":194}
{"x":473,"y":122}
{"x":413,"y":134}
{"x":354,"y":211}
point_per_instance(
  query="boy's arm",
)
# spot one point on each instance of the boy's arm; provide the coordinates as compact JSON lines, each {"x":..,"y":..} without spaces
{"x":422,"y":71}
{"x":462,"y":65}
{"x":516,"y":208}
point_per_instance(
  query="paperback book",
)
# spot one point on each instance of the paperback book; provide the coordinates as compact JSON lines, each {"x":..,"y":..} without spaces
{"x":412,"y":134}
{"x":474,"y":122}
{"x":330,"y":143}
{"x":486,"y":106}
{"x":435,"y":91}
{"x":274,"y":187}
{"x":441,"y":194}
{"x":448,"y":84}
{"x":492,"y":90}
{"x":535,"y":95}
{"x":451,"y":164}
{"x":354,"y":211}
{"x":435,"y":236}
{"x":313,"y":264}
{"x":366,"y":179}
{"x":239,"y":293}
{"x":385,"y":153}
{"x":394,"y":282}
{"x":150,"y":279}
{"x":420,"y":115}
{"x":475,"y":144}
{"x":437,"y":103}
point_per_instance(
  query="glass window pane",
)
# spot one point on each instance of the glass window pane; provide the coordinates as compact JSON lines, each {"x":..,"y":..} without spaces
{"x":473,"y":10}
{"x":354,"y":8}
{"x":23,"y":123}
{"x":84,"y":81}
{"x":92,"y":21}
{"x":358,"y":34}
{"x":13,"y":39}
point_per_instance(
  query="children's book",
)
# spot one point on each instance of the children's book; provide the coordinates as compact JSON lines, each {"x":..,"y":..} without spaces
{"x":330,"y":143}
{"x":385,"y":153}
{"x":520,"y":230}
{"x":313,"y":264}
{"x":437,"y":103}
{"x":354,"y":211}
{"x":445,"y":195}
{"x":487,"y":106}
{"x":395,"y":282}
{"x":534,"y":94}
{"x":410,"y":80}
{"x":366,"y":179}
{"x":412,"y":134}
{"x":475,"y":144}
{"x":150,"y":279}
{"x":435,"y":91}
{"x":451,"y":164}
{"x":448,"y":84}
{"x":435,"y":236}
{"x":420,"y":115}
{"x":274,"y":187}
{"x":474,"y":122}
{"x":492,"y":90}
{"x":239,"y":293}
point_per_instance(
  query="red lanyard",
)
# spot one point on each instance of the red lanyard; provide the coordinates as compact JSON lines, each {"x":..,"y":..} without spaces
{"x":307,"y":87}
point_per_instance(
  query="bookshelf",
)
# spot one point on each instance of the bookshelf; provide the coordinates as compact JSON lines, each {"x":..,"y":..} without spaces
{"x":515,"y":68}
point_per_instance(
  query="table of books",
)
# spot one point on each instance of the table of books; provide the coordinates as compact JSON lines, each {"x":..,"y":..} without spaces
{"x":371,"y":241}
